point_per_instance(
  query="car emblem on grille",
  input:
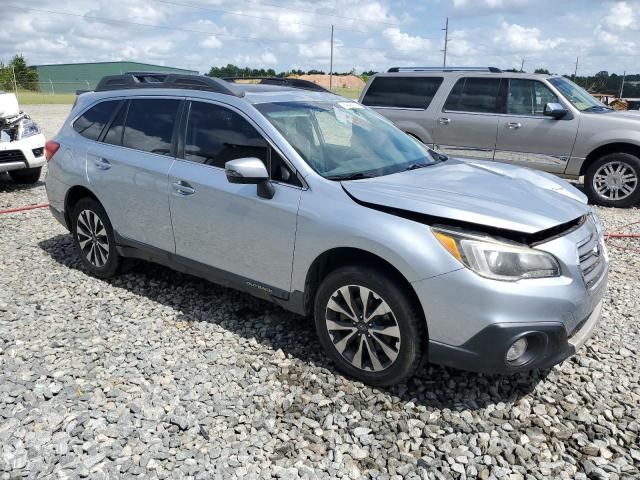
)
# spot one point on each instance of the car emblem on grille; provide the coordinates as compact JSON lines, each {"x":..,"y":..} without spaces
{"x":596,"y":250}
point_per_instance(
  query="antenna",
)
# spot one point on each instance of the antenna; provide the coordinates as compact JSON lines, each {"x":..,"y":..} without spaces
{"x":446,"y":42}
{"x":331,"y":64}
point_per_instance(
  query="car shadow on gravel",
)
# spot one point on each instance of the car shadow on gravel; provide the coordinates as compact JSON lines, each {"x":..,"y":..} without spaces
{"x":433,"y":386}
{"x":8,"y":185}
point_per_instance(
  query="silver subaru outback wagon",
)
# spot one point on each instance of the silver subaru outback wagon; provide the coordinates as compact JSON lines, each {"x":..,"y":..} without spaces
{"x":319,"y":204}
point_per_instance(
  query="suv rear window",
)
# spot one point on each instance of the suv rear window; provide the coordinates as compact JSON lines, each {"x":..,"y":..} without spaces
{"x":91,"y":122}
{"x":474,"y":95}
{"x":149,"y":125}
{"x":402,"y":92}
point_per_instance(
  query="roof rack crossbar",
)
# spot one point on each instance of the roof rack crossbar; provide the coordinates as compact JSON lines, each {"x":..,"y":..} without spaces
{"x":289,"y":82}
{"x":444,"y":69}
{"x":134,"y":80}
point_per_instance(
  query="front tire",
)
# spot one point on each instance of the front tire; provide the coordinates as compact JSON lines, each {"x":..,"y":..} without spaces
{"x":26,"y":175}
{"x":614,"y":180}
{"x":94,"y":239}
{"x":369,"y":325}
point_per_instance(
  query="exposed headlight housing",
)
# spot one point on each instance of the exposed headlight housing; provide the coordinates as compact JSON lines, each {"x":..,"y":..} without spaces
{"x":27,"y":128}
{"x":495,"y":259}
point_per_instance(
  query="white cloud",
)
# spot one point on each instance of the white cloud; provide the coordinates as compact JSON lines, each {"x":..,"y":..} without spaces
{"x":403,"y":42}
{"x":621,"y":16}
{"x":516,"y":38}
{"x":489,"y":4}
{"x":211,"y":42}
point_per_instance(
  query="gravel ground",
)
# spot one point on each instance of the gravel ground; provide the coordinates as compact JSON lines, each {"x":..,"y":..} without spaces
{"x":162,"y":375}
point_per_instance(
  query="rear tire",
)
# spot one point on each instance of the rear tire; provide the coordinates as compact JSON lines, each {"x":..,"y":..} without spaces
{"x":614,"y":180}
{"x":27,"y":175}
{"x":381,"y":343}
{"x":94,"y":239}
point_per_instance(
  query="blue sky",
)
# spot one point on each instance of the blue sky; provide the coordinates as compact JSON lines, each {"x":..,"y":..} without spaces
{"x":287,"y":34}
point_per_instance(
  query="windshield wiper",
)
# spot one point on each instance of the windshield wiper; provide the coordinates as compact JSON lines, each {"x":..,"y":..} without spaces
{"x":415,"y":166}
{"x":350,"y":176}
{"x":598,"y":108}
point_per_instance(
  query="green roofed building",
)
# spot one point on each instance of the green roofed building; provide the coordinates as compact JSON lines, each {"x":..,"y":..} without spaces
{"x":69,"y":77}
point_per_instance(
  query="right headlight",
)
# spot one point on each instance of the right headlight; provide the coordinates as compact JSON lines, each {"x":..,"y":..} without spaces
{"x":495,"y":259}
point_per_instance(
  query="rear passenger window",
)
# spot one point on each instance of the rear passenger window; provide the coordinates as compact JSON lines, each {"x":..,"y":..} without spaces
{"x":402,"y":92}
{"x":114,"y":134}
{"x":474,"y":95}
{"x":149,"y":125}
{"x":91,"y":122}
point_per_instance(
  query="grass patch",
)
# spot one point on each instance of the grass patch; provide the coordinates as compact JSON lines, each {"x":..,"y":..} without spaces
{"x":352,"y":93}
{"x":38,"y":98}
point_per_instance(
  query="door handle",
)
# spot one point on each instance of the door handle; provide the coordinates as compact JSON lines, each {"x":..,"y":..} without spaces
{"x":444,"y":121}
{"x":514,"y":125}
{"x":183,"y":188}
{"x":102,"y":163}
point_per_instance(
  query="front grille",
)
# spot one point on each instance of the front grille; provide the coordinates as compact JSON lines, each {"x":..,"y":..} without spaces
{"x":11,"y":156}
{"x":591,"y":259}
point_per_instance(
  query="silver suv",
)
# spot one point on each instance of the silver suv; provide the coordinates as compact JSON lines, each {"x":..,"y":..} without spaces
{"x":319,"y":204}
{"x":544,"y":122}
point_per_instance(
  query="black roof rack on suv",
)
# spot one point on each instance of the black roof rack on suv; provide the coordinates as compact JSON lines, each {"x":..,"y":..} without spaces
{"x":289,"y":82}
{"x":444,"y":69}
{"x":133,"y":80}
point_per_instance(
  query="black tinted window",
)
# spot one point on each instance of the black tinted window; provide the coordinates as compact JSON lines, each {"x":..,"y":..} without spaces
{"x":402,"y":92}
{"x":474,"y":95}
{"x":149,"y":125}
{"x":114,"y":134}
{"x":216,"y":135}
{"x":91,"y":122}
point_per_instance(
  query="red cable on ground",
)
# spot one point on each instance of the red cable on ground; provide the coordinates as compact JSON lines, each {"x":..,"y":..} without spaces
{"x":23,"y":209}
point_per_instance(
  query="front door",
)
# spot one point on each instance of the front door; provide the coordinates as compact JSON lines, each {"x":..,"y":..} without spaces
{"x":526,"y":137}
{"x":228,"y":226}
{"x":467,"y":125}
{"x":129,"y":168}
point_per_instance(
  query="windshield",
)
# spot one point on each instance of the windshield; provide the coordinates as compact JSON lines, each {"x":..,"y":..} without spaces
{"x":344,"y":140}
{"x":578,"y":96}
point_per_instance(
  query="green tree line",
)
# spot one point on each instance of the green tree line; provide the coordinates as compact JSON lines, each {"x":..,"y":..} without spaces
{"x":235,"y":71}
{"x":17,"y":73}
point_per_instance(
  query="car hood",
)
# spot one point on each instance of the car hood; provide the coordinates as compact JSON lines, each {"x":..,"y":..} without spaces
{"x":483,"y":193}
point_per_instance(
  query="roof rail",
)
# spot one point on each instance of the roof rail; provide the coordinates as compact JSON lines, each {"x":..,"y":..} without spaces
{"x":134,"y":80}
{"x":445,"y":69}
{"x":289,"y":82}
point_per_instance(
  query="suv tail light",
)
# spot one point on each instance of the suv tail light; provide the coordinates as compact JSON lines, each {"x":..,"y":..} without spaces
{"x":50,"y":148}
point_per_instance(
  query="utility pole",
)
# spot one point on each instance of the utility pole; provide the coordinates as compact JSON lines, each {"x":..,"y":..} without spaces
{"x":575,"y":72}
{"x":522,"y":66}
{"x":446,"y":42}
{"x":622,"y":86}
{"x":15,"y":82}
{"x":331,"y":64}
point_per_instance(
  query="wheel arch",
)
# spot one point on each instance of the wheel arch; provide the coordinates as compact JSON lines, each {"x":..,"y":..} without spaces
{"x":602,"y":150}
{"x":74,"y":194}
{"x":334,"y":258}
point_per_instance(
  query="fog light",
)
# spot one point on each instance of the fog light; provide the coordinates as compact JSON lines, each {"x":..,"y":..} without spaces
{"x":517,"y":350}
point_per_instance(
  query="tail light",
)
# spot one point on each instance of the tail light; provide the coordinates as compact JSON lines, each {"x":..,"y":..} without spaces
{"x":50,"y":148}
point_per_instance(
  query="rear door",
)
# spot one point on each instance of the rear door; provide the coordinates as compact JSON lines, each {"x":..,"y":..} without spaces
{"x":128,"y":170}
{"x":467,"y":125}
{"x":228,"y":226}
{"x":526,"y":137}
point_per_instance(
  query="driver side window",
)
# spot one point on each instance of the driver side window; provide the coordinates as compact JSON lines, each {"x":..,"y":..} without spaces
{"x":216,"y":135}
{"x":528,"y":97}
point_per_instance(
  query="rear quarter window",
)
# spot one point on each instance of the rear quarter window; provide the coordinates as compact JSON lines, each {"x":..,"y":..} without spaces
{"x":91,"y":122}
{"x":402,"y":92}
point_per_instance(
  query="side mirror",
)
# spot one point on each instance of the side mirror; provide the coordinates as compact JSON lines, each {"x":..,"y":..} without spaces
{"x":555,"y":110}
{"x":250,"y":171}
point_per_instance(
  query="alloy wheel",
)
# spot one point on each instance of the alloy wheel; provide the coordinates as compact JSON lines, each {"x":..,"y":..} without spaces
{"x":615,"y":181}
{"x":92,"y":238}
{"x":362,"y":328}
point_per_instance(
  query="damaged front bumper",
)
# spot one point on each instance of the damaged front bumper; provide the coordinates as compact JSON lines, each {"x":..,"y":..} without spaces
{"x":20,"y":147}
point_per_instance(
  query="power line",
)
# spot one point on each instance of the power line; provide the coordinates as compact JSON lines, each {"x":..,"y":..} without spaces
{"x":163,"y":27}
{"x":232,"y":12}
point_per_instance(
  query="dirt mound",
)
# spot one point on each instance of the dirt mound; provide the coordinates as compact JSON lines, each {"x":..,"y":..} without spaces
{"x":346,"y":81}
